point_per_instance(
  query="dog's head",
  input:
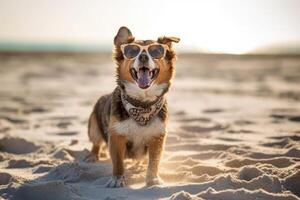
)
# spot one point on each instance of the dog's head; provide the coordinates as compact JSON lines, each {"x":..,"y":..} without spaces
{"x":145,"y":67}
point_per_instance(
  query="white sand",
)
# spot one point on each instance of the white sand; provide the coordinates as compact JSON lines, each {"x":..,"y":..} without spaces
{"x":234,"y":129}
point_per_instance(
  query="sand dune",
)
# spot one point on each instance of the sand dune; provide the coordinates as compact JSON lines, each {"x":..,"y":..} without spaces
{"x":234,"y":129}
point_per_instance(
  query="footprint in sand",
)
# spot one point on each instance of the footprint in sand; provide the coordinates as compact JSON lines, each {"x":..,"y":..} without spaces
{"x":17,"y":145}
{"x":292,"y":183}
{"x":24,"y":163}
{"x":213,"y":110}
{"x":64,"y":124}
{"x":248,"y":173}
{"x":60,"y":118}
{"x":6,"y":178}
{"x":295,"y":119}
{"x":243,"y":122}
{"x":198,"y":147}
{"x":8,"y":109}
{"x":195,"y":119}
{"x":227,"y":139}
{"x":282,"y":143}
{"x":278,"y":116}
{"x":35,"y":109}
{"x":292,"y":137}
{"x":202,"y":129}
{"x":13,"y":119}
{"x":292,"y":118}
{"x":240,"y":131}
{"x":277,"y":162}
{"x":197,"y":156}
{"x":64,"y":133}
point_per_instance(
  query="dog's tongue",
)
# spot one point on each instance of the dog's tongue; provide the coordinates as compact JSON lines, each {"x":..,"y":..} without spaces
{"x":144,"y":78}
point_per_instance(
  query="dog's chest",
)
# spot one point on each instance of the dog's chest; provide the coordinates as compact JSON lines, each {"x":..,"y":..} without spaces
{"x":137,"y":134}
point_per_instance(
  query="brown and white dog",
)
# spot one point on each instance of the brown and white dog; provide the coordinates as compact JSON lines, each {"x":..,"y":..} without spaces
{"x":133,"y":118}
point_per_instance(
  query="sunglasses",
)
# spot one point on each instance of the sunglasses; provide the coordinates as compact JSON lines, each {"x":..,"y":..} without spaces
{"x":156,"y":51}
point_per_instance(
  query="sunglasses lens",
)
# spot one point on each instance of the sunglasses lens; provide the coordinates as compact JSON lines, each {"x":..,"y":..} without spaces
{"x":131,"y":51}
{"x":156,"y":51}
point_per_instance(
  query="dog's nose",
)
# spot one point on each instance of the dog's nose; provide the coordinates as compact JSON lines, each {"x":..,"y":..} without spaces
{"x":143,"y":57}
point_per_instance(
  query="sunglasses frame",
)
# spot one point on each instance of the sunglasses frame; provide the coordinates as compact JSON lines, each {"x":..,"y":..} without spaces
{"x":144,"y":47}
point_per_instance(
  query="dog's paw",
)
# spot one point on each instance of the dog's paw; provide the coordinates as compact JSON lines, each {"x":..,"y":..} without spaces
{"x":90,"y":158}
{"x":154,"y":181}
{"x":116,"y":182}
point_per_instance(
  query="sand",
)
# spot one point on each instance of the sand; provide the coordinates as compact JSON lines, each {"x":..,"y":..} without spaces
{"x":234,"y":129}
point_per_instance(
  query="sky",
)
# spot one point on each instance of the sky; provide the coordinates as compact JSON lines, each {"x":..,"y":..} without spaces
{"x":224,"y":26}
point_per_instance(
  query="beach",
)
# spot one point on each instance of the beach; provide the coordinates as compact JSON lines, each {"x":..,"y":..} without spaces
{"x":233,"y":132}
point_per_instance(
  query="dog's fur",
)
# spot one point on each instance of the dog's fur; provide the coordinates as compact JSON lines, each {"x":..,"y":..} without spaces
{"x":110,"y":122}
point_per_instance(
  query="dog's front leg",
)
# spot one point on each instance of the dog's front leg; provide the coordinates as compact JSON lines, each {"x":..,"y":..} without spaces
{"x":155,"y":149}
{"x":117,"y":147}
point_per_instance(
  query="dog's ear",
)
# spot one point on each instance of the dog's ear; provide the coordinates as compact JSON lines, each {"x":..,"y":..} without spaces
{"x":123,"y":36}
{"x":167,"y":40}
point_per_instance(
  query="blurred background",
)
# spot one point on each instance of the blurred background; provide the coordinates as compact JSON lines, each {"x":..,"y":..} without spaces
{"x":210,"y":26}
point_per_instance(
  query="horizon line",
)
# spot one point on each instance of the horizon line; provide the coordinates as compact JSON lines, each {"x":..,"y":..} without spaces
{"x":105,"y":47}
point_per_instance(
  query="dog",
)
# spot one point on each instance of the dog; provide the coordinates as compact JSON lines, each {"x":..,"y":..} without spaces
{"x":132,"y":120}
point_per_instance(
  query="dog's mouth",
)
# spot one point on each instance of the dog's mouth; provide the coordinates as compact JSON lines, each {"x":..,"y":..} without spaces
{"x":144,"y":76}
